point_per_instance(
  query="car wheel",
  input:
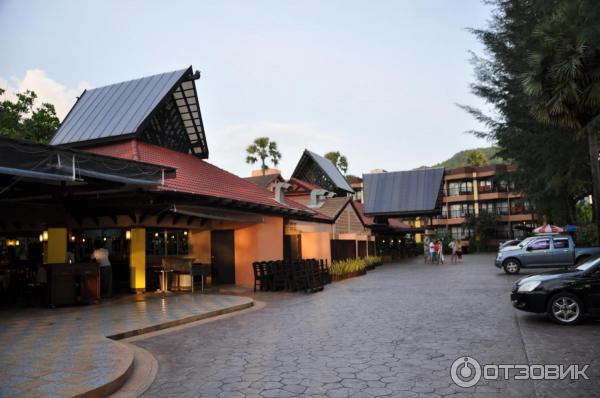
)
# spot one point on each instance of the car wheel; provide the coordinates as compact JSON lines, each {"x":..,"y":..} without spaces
{"x":565,"y":309}
{"x":511,"y":266}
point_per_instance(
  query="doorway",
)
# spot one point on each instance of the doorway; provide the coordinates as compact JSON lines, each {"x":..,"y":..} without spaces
{"x":222,"y":253}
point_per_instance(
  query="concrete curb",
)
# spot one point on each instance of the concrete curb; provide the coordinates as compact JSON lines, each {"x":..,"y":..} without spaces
{"x":116,"y":383}
{"x":181,"y":321}
{"x":143,"y":367}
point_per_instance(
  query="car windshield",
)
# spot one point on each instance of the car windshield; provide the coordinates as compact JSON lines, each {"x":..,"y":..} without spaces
{"x":589,"y":263}
{"x":525,"y":241}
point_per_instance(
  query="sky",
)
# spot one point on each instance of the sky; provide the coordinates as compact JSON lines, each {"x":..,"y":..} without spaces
{"x":378,"y":81}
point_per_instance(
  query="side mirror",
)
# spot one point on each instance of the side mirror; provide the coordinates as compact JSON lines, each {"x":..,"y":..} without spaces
{"x":528,"y":248}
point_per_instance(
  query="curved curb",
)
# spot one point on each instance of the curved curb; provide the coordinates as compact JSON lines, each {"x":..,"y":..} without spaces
{"x":181,"y":321}
{"x":141,"y":364}
{"x":143,"y":367}
{"x":116,"y":383}
{"x":144,"y":372}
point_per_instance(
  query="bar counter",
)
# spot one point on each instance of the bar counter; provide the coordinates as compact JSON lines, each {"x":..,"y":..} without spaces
{"x":70,"y":284}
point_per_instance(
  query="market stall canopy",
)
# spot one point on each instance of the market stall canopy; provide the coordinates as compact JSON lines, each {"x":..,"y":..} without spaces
{"x":547,"y":229}
{"x":161,"y":109}
{"x":570,"y":228}
{"x":404,"y":193}
{"x":317,"y":170}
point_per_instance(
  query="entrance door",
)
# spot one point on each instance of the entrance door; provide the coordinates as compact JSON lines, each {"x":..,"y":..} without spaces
{"x":292,"y":247}
{"x":223,"y":258}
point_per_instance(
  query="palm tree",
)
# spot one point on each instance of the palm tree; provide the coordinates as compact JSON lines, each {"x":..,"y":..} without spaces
{"x":263,"y":148}
{"x":338,"y":160}
{"x":476,"y":158}
{"x":563,"y":80}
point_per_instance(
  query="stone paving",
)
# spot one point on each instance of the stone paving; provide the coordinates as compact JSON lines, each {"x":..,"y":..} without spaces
{"x":64,"y":352}
{"x":394,"y":332}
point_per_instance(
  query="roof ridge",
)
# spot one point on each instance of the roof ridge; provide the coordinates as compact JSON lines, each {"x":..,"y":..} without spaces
{"x":139,"y":78}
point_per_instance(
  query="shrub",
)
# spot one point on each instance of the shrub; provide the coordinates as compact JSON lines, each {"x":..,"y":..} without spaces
{"x":372,"y":261}
{"x":347,"y":266}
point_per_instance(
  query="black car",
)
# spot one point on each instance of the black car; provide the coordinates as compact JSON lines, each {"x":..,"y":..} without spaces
{"x":565,"y":296}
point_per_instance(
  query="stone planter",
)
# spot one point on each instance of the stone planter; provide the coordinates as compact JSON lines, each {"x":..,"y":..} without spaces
{"x":349,"y":275}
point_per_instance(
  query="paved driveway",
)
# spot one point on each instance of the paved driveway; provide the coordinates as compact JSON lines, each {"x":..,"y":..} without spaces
{"x":394,"y":332}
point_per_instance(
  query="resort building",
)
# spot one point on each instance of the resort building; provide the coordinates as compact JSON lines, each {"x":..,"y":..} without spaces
{"x":127,"y":170}
{"x":485,"y":189}
{"x":438,"y":199}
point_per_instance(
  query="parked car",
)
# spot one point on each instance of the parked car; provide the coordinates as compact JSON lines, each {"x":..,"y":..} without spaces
{"x":566,"y":296}
{"x":543,"y":251}
{"x":512,"y":242}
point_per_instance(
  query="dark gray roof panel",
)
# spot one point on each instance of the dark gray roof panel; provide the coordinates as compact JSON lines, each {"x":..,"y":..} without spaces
{"x":114,"y":110}
{"x":332,"y":171}
{"x":401,"y":193}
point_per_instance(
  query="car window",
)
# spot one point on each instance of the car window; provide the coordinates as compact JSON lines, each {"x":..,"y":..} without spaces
{"x":541,"y":244}
{"x":561,"y":243}
{"x":525,"y":241}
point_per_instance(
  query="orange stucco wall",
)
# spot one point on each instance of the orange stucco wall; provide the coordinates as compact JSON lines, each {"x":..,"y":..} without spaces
{"x":259,"y":242}
{"x":199,"y":243}
{"x":316,"y":245}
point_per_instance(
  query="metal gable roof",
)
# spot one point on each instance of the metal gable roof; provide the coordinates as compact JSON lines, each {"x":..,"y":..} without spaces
{"x":400,"y":193}
{"x":115,"y":110}
{"x":332,"y":171}
{"x":328,"y":168}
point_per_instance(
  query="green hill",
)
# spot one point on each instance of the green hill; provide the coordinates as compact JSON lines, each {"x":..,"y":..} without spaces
{"x":460,"y":159}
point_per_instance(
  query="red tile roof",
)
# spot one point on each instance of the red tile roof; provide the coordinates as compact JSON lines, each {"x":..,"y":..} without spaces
{"x":360,"y":209}
{"x":196,"y":176}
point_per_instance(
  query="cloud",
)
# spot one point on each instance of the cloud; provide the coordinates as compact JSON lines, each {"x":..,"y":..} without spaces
{"x":47,"y":90}
{"x":228,"y":144}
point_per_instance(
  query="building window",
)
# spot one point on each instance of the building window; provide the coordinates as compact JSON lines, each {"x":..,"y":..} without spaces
{"x":487,"y":207}
{"x":502,"y":208}
{"x":461,"y":210}
{"x":486,"y":186}
{"x":453,"y":188}
{"x":460,"y":188}
{"x":460,"y":233}
{"x":520,"y":206}
{"x":503,"y":186}
{"x":161,"y":242}
{"x":466,"y":188}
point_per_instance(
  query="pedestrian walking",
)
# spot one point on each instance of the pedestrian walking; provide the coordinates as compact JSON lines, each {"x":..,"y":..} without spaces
{"x":431,"y":252}
{"x":439,"y":248}
{"x":454,"y":248}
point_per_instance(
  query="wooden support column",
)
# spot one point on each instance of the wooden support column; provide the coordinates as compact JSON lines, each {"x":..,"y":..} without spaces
{"x":55,"y":250}
{"x":137,"y":260}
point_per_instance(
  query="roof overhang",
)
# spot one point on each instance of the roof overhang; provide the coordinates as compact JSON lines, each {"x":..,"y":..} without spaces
{"x":217,"y":214}
{"x":48,"y":164}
